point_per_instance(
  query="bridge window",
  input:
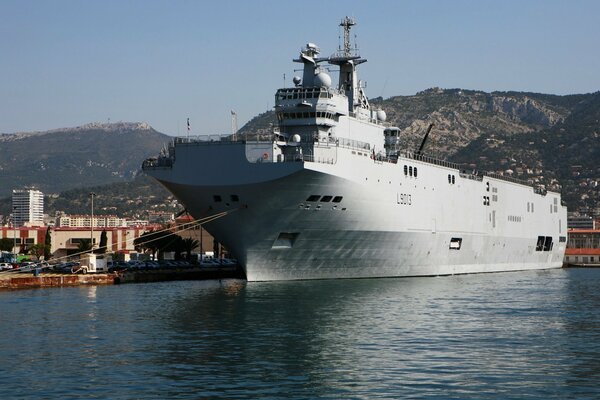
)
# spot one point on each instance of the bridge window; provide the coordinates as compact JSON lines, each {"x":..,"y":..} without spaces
{"x":337,"y":199}
{"x":217,"y":198}
{"x":326,"y":199}
{"x":313,"y":197}
{"x":235,"y":197}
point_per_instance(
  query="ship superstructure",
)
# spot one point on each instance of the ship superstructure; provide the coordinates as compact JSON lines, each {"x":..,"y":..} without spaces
{"x":332,"y":194}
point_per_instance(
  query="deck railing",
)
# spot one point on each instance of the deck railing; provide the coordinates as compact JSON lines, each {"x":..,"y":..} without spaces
{"x":167,"y":161}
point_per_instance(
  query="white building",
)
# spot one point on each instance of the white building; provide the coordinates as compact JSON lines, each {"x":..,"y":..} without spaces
{"x":28,"y":207}
{"x":158,"y":217}
{"x":85,"y":221}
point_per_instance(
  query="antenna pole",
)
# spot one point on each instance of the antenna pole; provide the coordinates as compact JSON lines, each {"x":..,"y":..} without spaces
{"x":234,"y":127}
{"x":347,"y":23}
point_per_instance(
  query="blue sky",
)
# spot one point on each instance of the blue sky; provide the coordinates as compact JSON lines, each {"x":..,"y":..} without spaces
{"x":67,"y":63}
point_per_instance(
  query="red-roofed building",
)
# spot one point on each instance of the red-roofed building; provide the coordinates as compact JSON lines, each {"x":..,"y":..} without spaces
{"x":583,"y":248}
{"x":24,"y":237}
{"x":65,"y":240}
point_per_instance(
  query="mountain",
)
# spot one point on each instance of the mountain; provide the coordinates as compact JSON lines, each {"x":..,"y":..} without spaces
{"x":89,"y":155}
{"x":563,"y":156}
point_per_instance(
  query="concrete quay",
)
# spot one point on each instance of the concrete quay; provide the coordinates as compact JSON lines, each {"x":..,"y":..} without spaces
{"x":15,"y":280}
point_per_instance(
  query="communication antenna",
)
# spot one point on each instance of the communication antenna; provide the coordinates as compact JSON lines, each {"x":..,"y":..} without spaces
{"x":347,"y":23}
{"x":234,"y":127}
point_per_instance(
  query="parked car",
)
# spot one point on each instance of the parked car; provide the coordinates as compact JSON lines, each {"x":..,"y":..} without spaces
{"x":152,"y":264}
{"x":5,"y":266}
{"x":26,"y":266}
{"x":114,"y":266}
{"x":68,"y":267}
{"x":210,"y":262}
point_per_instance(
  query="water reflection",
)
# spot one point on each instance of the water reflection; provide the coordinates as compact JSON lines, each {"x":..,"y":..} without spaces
{"x":512,"y":335}
{"x":462,"y":336}
{"x":581,"y":314}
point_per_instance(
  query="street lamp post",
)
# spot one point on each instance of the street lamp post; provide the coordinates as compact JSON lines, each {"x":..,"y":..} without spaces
{"x":92,"y":194}
{"x":14,"y":235}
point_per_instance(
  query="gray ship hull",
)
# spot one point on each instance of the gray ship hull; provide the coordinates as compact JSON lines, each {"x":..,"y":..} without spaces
{"x":332,"y":193}
{"x":277,"y":235}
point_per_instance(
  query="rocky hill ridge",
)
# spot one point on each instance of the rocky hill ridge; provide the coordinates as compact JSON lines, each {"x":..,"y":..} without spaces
{"x":89,"y":155}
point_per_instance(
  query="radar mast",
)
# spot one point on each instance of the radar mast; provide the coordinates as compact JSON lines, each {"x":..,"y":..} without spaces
{"x":347,"y":59}
{"x":347,"y":23}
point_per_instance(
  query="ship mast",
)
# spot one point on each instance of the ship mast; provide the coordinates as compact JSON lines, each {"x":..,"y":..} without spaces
{"x":348,"y":58}
{"x":347,"y":23}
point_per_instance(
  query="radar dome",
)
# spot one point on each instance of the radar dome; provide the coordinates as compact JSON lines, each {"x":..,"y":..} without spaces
{"x":322,"y":80}
{"x":297,"y":80}
{"x":296,"y":138}
{"x":381,"y":115}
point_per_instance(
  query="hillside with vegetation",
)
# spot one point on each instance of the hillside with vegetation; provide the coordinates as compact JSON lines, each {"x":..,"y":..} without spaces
{"x":63,"y":159}
{"x":134,"y":199}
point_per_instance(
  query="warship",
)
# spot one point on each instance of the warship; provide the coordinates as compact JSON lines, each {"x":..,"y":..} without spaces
{"x":331,"y":193}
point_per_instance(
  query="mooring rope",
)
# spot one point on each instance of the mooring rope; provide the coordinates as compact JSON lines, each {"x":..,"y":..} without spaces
{"x":173,"y":230}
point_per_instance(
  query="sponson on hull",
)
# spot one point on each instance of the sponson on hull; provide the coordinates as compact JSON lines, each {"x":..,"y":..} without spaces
{"x":331,"y":194}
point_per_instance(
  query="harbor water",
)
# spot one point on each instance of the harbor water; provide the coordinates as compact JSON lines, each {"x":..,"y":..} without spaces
{"x":507,"y":335}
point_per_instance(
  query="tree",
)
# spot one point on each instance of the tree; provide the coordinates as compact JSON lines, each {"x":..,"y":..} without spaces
{"x":175,"y":245}
{"x":38,"y":250}
{"x":6,"y":244}
{"x":189,"y":245}
{"x":48,"y":245}
{"x":103,"y":242}
{"x":84,"y":246}
{"x":216,"y":249}
{"x":154,"y":241}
